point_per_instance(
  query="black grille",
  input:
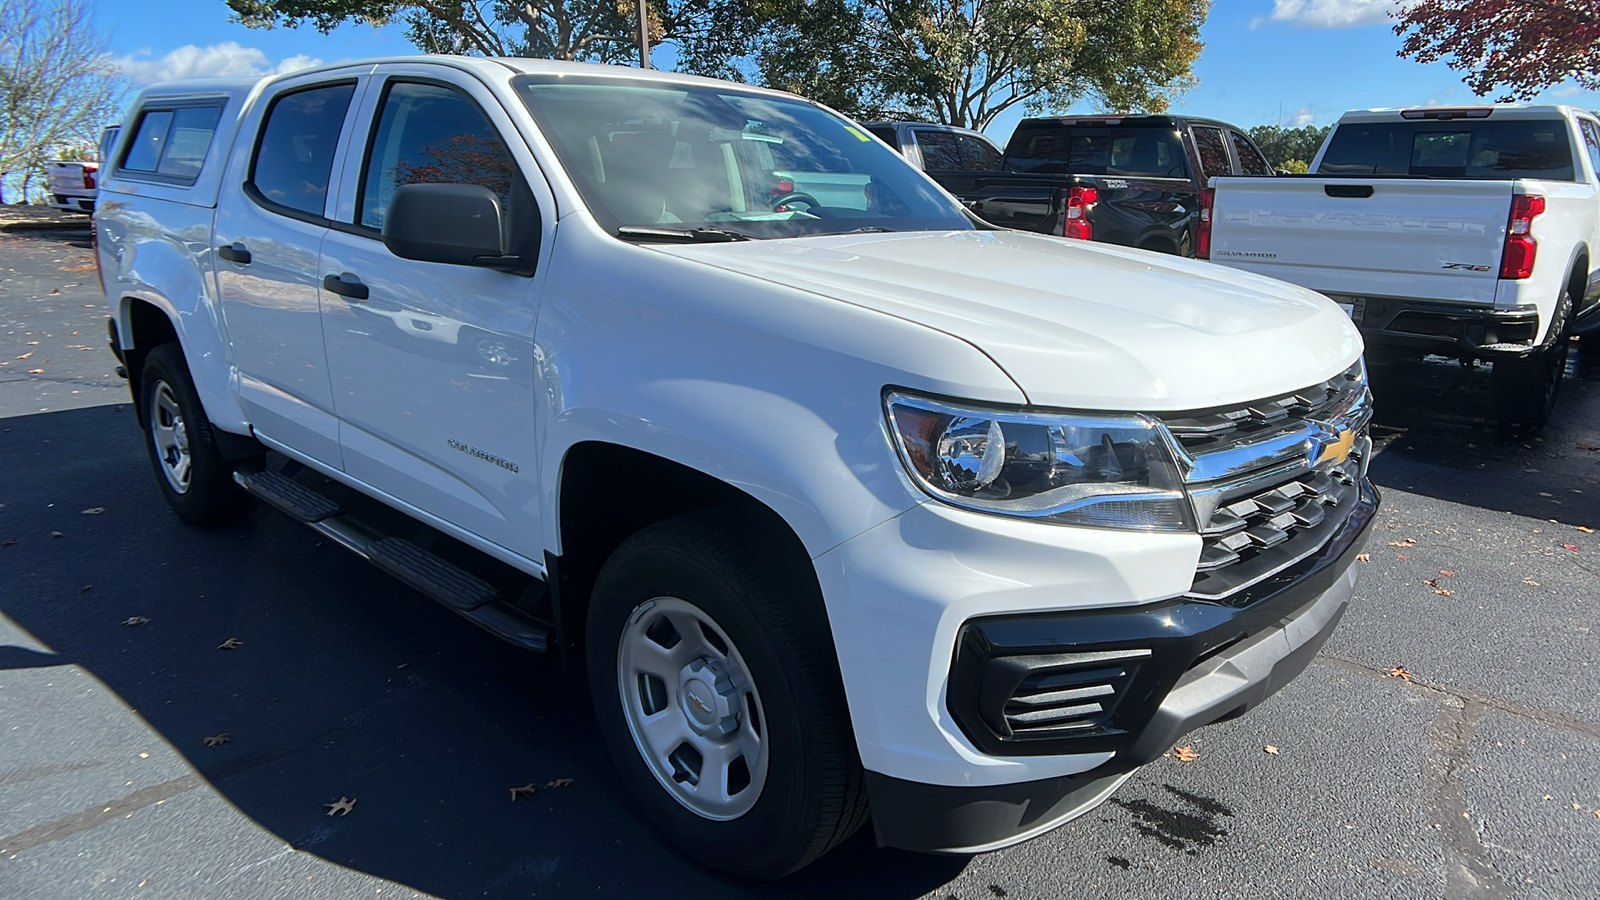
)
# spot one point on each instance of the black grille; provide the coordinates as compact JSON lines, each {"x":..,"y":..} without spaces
{"x":1249,"y":538}
{"x":1063,"y":701}
{"x":1219,"y":429}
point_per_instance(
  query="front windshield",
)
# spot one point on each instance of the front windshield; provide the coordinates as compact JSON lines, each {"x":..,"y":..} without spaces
{"x":653,"y":159}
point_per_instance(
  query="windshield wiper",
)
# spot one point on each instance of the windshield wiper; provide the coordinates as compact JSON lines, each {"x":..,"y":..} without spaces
{"x":867,"y":229}
{"x":687,"y":235}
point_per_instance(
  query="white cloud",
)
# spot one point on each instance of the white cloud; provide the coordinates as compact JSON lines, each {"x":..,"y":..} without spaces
{"x":1329,"y":13}
{"x":1302,"y":117}
{"x":227,"y":59}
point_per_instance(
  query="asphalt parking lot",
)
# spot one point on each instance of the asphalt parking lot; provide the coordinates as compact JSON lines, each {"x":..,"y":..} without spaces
{"x":1477,"y":777}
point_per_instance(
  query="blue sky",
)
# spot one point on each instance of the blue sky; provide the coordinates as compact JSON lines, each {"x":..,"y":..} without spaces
{"x":1304,"y":60}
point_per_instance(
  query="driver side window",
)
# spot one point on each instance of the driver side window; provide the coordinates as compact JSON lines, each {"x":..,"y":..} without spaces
{"x":429,"y":134}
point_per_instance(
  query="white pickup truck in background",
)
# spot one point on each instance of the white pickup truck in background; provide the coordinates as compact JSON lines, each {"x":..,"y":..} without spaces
{"x":1464,"y":232}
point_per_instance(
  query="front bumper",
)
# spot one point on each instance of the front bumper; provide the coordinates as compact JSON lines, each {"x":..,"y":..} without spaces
{"x":1206,"y":662}
{"x":1445,"y":328}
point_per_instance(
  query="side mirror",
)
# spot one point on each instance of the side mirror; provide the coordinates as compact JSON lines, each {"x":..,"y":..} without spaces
{"x":456,"y":224}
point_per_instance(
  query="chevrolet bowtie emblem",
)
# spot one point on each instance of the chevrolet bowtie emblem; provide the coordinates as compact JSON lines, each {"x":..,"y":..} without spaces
{"x":1338,"y":450}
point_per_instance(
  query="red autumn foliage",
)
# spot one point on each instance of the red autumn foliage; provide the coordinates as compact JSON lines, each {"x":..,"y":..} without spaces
{"x":1518,"y":47}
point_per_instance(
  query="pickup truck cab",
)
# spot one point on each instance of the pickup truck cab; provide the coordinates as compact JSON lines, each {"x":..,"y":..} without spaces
{"x":1469,"y":232}
{"x":939,"y":148}
{"x":842,"y":505}
{"x":1138,"y":181}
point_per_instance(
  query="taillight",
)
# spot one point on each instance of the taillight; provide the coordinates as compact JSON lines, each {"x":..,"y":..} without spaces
{"x":88,"y":177}
{"x":1516,"y":261}
{"x":1202,"y":231}
{"x":1076,"y":225}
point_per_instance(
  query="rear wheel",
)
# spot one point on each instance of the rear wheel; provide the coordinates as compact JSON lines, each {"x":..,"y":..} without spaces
{"x":1524,"y":390}
{"x":717,"y":690}
{"x":194,"y":478}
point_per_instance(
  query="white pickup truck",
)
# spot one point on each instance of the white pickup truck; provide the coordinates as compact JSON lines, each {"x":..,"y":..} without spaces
{"x":844,"y":506}
{"x":1469,"y":232}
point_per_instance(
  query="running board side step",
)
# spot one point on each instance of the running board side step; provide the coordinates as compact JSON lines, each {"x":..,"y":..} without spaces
{"x":423,"y":571}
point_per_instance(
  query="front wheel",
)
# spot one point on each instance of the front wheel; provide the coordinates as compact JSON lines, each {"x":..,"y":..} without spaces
{"x":718,"y":693}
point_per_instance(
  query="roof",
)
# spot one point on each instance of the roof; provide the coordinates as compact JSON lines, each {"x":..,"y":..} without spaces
{"x":1500,"y":110}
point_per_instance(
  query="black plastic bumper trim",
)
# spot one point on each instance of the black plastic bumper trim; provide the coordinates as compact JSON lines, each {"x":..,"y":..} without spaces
{"x":933,"y":818}
{"x":1180,"y":634}
{"x":1464,"y":328}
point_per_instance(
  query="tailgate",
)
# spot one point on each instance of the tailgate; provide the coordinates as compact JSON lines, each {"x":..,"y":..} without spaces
{"x":66,"y":179}
{"x":1418,"y":238}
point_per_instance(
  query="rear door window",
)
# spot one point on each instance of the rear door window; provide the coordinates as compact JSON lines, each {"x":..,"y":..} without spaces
{"x":149,"y":137}
{"x":295,"y":151}
{"x":1251,"y":162}
{"x":940,"y":153}
{"x":1591,"y":142}
{"x":1213,"y":153}
{"x":1469,"y":149}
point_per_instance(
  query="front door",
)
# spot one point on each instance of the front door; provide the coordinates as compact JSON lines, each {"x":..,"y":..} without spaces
{"x":432,"y":364}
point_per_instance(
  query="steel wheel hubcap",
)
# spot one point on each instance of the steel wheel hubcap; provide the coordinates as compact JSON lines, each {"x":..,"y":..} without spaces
{"x":170,"y":434}
{"x":694,"y":713}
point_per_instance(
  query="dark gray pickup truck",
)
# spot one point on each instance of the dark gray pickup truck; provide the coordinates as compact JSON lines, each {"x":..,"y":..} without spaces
{"x":1139,"y":181}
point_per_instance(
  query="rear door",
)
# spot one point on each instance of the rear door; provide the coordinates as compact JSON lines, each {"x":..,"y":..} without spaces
{"x":270,"y":222}
{"x":432,"y":365}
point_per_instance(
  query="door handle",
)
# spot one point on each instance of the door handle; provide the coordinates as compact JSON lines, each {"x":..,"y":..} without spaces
{"x":235,"y":253}
{"x":346,"y":285}
{"x":1357,"y":191}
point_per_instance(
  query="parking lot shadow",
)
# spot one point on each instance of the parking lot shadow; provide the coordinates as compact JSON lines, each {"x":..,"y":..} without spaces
{"x":1437,"y":436}
{"x":343,"y":683}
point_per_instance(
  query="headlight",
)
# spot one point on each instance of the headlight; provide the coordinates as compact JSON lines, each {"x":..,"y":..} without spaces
{"x":1106,"y":471}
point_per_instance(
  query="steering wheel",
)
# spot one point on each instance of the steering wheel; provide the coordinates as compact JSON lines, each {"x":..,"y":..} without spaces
{"x":791,"y":197}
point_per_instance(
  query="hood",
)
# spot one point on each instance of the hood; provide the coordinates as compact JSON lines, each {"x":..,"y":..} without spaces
{"x":1074,"y":324}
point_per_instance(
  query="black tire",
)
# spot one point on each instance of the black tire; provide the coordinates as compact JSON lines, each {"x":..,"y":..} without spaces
{"x":813,"y":796}
{"x":207,"y":494}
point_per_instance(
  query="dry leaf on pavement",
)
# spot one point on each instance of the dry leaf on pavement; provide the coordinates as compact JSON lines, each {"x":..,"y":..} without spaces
{"x":1569,"y":546}
{"x":1401,"y":556}
{"x":342,"y":806}
{"x":56,"y":534}
{"x":1447,"y":573}
{"x":527,"y":790}
{"x":35,"y":371}
{"x":217,"y":740}
{"x":1400,"y":672}
{"x":1270,"y":749}
{"x":1186,"y":753}
{"x":1586,"y":529}
{"x":1530,"y":581}
{"x":94,"y":510}
{"x":230,"y":644}
{"x":26,"y":355}
{"x":1404,"y":542}
{"x":1363,"y":557}
{"x":135,"y":620}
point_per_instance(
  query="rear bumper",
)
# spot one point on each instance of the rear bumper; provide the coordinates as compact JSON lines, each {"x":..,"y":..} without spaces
{"x":1210,"y":662}
{"x":1445,"y":328}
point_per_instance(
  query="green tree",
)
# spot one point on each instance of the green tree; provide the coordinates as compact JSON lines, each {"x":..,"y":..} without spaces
{"x":963,"y":62}
{"x":708,"y":34}
{"x":1280,"y":145}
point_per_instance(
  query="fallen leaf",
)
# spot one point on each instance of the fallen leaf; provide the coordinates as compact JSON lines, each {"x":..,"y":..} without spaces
{"x":1400,"y":672}
{"x":1431,"y":582}
{"x":25,"y":355}
{"x":1401,"y":556}
{"x":1363,"y":557}
{"x":230,"y":644}
{"x":342,"y":806}
{"x":94,"y":510}
{"x":1447,"y":573}
{"x":135,"y":620}
{"x":1443,"y":592}
{"x":1586,"y":529}
{"x":35,"y":371}
{"x":527,"y":790}
{"x":1186,"y":753}
{"x":1530,"y":581}
{"x":1270,"y":749}
{"x":1405,"y":542}
{"x":1569,"y":546}
{"x":559,"y":782}
{"x":217,"y":740}
{"x":56,"y":534}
